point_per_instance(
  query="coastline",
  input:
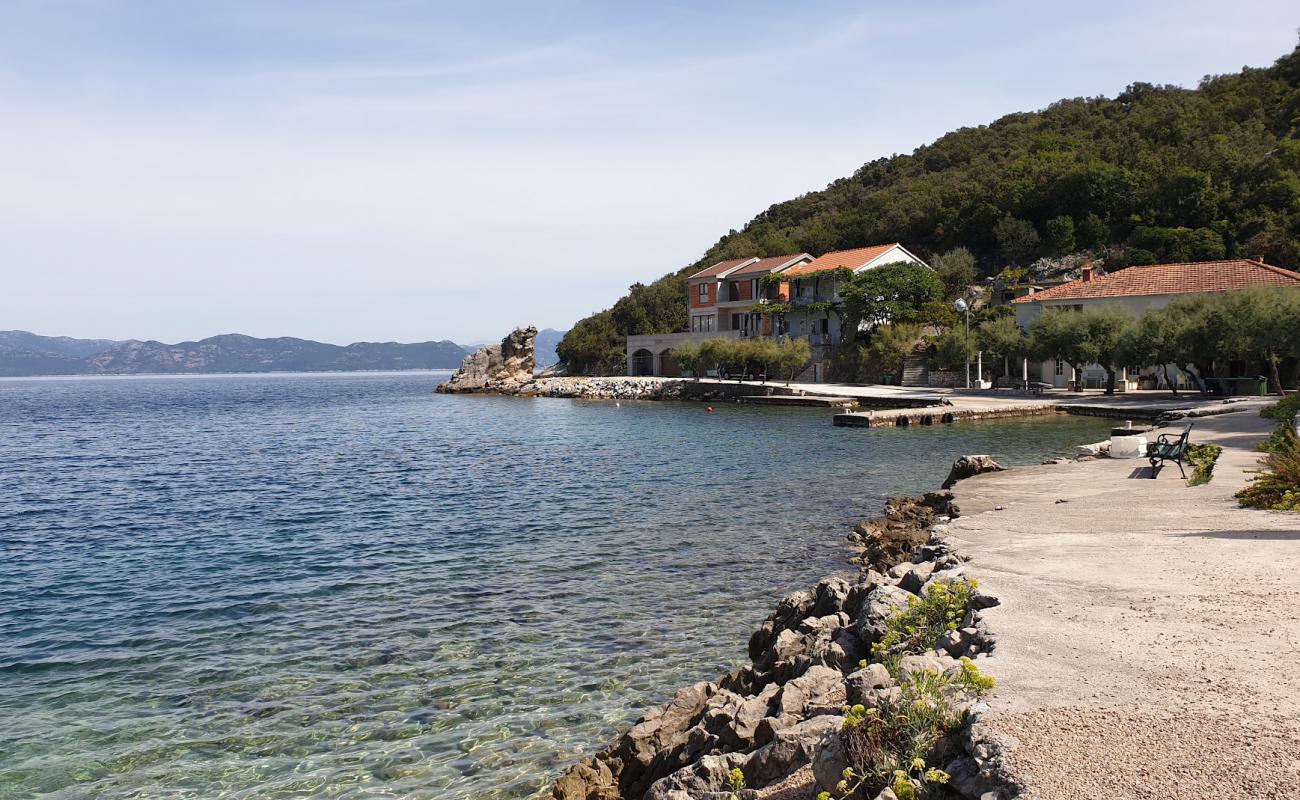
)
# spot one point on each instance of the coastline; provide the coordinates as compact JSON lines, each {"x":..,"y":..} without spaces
{"x":685,"y":749}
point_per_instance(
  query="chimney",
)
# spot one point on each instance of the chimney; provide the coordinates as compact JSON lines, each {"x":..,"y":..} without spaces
{"x":1087,"y":273}
{"x":1259,"y":259}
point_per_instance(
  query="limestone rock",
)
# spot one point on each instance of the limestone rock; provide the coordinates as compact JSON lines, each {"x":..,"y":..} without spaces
{"x":970,"y":466}
{"x":503,"y":367}
{"x":591,"y":779}
{"x":859,"y":684}
{"x":654,"y":747}
{"x":709,"y":774}
{"x":908,"y":665}
{"x":818,"y":689}
{"x":790,"y":749}
{"x":880,"y":605}
{"x":830,"y":762}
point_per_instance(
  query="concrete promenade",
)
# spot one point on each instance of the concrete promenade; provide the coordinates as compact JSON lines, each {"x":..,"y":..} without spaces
{"x":1148,"y":635}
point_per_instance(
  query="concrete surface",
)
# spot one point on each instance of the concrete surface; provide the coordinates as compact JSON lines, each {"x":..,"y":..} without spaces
{"x":1148,"y":641}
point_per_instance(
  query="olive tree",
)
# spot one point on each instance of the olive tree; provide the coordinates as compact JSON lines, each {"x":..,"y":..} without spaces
{"x":1001,"y":336}
{"x":689,"y":356}
{"x":1097,"y":336}
{"x":792,"y":354}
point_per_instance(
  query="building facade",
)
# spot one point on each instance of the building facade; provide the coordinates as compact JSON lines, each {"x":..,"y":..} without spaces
{"x":1139,"y":289}
{"x":782,"y":296}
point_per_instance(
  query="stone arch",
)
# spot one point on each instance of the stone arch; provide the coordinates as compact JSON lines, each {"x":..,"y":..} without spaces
{"x":668,"y":366}
{"x":643,"y":362}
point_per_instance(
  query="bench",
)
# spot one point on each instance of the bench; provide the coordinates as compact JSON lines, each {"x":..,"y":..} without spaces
{"x":1167,"y":448}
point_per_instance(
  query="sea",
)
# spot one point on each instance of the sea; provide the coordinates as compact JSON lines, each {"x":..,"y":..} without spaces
{"x":347,"y":586}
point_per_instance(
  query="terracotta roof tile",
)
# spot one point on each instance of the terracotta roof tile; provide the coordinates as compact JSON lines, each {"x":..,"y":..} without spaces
{"x":847,"y":259}
{"x":720,"y":268}
{"x":1188,"y":278}
{"x":765,"y":265}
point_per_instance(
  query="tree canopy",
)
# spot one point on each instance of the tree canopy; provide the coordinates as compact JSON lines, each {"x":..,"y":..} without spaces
{"x":1158,"y":173}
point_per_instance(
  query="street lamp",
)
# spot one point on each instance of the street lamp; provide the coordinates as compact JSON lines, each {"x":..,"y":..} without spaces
{"x":963,"y":307}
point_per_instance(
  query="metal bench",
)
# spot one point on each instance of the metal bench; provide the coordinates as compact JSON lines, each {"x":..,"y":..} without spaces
{"x":1167,"y":448}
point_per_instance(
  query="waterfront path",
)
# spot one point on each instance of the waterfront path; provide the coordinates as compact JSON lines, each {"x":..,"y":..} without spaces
{"x":1148,"y":636}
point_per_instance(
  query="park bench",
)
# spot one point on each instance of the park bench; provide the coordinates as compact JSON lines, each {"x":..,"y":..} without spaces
{"x":1167,"y":448}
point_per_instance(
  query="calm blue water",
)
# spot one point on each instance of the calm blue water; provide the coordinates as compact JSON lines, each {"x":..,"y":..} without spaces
{"x":348,"y":586}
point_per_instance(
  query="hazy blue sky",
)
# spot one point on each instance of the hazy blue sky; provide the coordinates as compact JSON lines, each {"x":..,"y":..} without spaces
{"x":418,"y":170}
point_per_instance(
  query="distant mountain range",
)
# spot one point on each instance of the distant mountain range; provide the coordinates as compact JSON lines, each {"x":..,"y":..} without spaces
{"x":29,"y":354}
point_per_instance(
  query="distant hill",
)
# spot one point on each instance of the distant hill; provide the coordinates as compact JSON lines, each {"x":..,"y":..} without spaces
{"x":547,"y":340}
{"x":26,"y":354}
{"x":1157,"y":174}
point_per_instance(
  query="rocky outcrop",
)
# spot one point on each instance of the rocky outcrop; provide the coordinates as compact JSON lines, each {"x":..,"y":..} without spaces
{"x":902,"y":531}
{"x":782,"y":712}
{"x":970,"y":466}
{"x":504,"y":367}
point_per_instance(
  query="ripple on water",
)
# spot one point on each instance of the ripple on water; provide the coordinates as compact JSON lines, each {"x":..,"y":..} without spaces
{"x":346,"y":586}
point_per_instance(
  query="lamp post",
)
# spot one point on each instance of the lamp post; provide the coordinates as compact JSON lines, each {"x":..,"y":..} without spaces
{"x":964,"y":308}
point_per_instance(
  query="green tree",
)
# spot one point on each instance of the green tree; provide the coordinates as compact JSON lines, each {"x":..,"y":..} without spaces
{"x":1200,"y":324}
{"x":953,"y":349}
{"x":1002,"y":338}
{"x":889,"y":345}
{"x":1060,"y":236}
{"x":956,"y":269}
{"x":1017,"y":239}
{"x":690,"y":357}
{"x":1090,"y":337}
{"x":1262,"y":323}
{"x":1157,"y":339}
{"x":593,"y":345}
{"x":792,"y":355}
{"x":889,"y":293}
{"x":718,"y":354}
{"x":765,"y":353}
{"x":1092,"y":233}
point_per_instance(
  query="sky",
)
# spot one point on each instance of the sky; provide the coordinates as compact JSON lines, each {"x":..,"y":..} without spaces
{"x":398,"y":170}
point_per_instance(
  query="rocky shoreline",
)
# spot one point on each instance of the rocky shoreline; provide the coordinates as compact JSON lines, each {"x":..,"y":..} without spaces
{"x":508,"y":368}
{"x":790,"y":723}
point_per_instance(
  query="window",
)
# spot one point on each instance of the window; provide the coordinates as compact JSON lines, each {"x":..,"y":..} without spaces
{"x":704,"y":293}
{"x":1060,"y":367}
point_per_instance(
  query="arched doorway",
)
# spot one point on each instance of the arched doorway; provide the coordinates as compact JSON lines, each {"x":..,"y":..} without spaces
{"x":643,"y":362}
{"x":668,"y":366}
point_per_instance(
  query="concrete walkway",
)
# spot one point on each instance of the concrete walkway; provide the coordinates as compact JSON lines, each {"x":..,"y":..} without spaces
{"x":1148,"y":641}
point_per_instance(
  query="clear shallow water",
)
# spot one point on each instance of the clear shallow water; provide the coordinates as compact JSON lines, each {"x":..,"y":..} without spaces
{"x":347,"y":586}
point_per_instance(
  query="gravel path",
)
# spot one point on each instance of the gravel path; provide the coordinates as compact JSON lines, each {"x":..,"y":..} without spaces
{"x":1148,"y":644}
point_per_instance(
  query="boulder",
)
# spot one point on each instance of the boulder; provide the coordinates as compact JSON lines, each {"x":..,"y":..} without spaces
{"x":1093,"y":450}
{"x":709,"y":774}
{"x":819,"y":690}
{"x":654,"y":746}
{"x":907,"y":665}
{"x":880,"y":605}
{"x":858,"y":685}
{"x":915,"y":578}
{"x":591,"y":779}
{"x":830,"y":762}
{"x":504,"y":367}
{"x":790,"y":749}
{"x":970,"y":466}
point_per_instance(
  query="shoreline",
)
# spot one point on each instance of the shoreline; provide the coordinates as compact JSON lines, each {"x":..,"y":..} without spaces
{"x":663,"y":750}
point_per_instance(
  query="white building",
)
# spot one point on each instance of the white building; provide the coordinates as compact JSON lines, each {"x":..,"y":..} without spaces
{"x":1139,"y":289}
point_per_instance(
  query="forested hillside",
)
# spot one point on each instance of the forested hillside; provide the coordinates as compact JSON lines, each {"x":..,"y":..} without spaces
{"x":1159,"y":173}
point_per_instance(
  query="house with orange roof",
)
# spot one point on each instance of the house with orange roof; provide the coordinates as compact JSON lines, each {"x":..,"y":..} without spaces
{"x":791,"y":295}
{"x":815,"y":305}
{"x":1139,"y":289}
{"x":720,"y":302}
